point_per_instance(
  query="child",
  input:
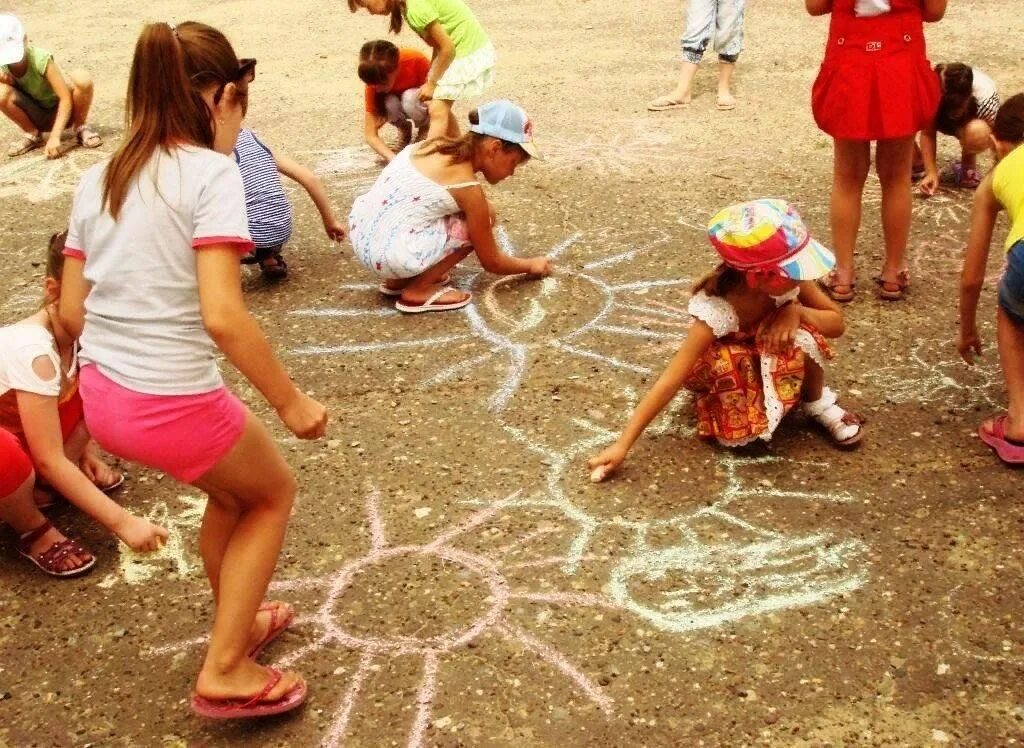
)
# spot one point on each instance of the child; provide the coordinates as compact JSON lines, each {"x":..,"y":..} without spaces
{"x":426,"y":212}
{"x":267,"y":205}
{"x":35,"y":96}
{"x":722,"y":20}
{"x":755,"y":349}
{"x":152,"y":273}
{"x":1002,"y":189}
{"x":393,"y":78}
{"x":38,"y":365}
{"x":463,"y":57}
{"x":875,"y":83}
{"x":966,"y":111}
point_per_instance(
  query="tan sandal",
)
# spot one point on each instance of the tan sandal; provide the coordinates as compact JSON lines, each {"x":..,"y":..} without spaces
{"x":834,"y":288}
{"x":25,"y":144}
{"x":894,"y":290}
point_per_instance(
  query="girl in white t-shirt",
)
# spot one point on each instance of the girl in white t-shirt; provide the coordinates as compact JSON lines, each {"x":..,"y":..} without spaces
{"x":38,"y":368}
{"x":153,"y":278}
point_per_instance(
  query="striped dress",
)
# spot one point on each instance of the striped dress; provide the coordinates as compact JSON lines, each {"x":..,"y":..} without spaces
{"x":267,"y":205}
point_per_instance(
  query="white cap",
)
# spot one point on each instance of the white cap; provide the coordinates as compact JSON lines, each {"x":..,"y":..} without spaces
{"x":506,"y":121}
{"x":12,"y":39}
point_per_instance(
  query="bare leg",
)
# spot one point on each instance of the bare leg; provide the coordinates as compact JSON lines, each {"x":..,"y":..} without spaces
{"x":975,"y":137}
{"x":81,"y":97}
{"x":242,"y":557}
{"x":852,"y":160}
{"x":1011,"y":358}
{"x":687,"y":71}
{"x":19,"y":511}
{"x":15,"y":113}
{"x":725,"y":73}
{"x":814,"y":381}
{"x":893,"y":164}
{"x":425,"y":285}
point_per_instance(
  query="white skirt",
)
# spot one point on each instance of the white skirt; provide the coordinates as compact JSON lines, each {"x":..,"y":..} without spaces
{"x":467,"y":77}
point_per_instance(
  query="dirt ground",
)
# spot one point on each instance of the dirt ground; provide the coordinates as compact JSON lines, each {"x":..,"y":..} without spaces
{"x":459,"y":579}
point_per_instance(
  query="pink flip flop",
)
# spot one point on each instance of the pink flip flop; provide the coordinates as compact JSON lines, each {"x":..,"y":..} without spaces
{"x":433,"y":305}
{"x":396,"y":292}
{"x":275,"y":630}
{"x":254,"y":707}
{"x":1008,"y":452}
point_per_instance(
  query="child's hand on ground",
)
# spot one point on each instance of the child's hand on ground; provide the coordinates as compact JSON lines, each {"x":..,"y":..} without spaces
{"x":606,"y":463}
{"x":304,"y":417}
{"x":540,"y":267}
{"x":335,"y":229}
{"x":141,"y":535}
{"x":779,"y":334}
{"x":930,"y":183}
{"x":968,"y":343}
{"x":53,"y":147}
{"x":427,"y":91}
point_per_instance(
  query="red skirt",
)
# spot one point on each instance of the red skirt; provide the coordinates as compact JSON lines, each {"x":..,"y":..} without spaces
{"x":876,"y":82}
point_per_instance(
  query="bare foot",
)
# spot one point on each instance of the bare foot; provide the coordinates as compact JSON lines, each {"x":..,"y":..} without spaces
{"x":243,"y":682}
{"x":726,"y":101}
{"x":266,"y":618}
{"x":416,"y":296}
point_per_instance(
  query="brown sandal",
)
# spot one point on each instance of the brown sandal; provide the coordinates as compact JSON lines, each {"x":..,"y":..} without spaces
{"x":886,"y":290}
{"x":50,"y":559}
{"x":832,"y":285}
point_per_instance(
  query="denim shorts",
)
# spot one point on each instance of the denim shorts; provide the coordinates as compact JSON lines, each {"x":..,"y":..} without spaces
{"x":1011,"y":285}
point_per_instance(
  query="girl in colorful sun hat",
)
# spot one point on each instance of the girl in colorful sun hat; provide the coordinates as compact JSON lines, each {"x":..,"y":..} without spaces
{"x":757,"y":344}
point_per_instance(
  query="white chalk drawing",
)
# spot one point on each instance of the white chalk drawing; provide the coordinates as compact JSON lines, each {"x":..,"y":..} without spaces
{"x":510,"y":318}
{"x":971,"y":649}
{"x":932,"y":371}
{"x":350,"y":169}
{"x":946,"y":206}
{"x":493,"y":620}
{"x":619,"y":152}
{"x":39,"y":179}
{"x":182,"y":524}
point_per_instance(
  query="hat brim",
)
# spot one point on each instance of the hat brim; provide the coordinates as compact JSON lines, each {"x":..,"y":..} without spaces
{"x":810,"y":263}
{"x":12,"y":52}
{"x":531,"y":149}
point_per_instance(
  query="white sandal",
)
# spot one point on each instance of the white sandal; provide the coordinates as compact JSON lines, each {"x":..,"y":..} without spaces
{"x":845,"y":427}
{"x":25,"y":144}
{"x":431,"y":305}
{"x":87,"y":137}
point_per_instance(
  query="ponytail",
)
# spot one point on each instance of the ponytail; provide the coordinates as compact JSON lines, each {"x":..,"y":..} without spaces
{"x":461,"y":149}
{"x":164,"y":106}
{"x":396,"y":11}
{"x":720,"y":281}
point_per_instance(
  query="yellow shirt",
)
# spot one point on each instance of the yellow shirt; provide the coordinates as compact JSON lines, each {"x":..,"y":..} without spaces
{"x":1008,"y":186}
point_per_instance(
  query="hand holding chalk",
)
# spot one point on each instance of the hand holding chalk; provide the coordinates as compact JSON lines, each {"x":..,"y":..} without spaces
{"x":607,"y":462}
{"x":598,"y":474}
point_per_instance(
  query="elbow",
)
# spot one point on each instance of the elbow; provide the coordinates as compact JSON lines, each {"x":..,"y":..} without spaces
{"x":970,"y":286}
{"x":220,"y":324}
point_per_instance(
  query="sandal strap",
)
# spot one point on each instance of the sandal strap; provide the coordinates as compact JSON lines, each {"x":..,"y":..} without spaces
{"x":58,"y":552}
{"x":273,"y":679}
{"x":28,"y":538}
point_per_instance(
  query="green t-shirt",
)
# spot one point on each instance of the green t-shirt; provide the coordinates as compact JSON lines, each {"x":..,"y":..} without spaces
{"x":455,"y":18}
{"x":34,"y":82}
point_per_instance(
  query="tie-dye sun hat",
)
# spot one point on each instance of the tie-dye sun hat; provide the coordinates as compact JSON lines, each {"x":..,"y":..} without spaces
{"x":768,"y":237}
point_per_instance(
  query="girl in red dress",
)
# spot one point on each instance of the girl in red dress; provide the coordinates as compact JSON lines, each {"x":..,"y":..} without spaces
{"x":875,"y":83}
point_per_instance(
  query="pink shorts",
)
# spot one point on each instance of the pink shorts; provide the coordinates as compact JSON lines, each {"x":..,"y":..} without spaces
{"x":15,"y":464}
{"x":182,"y":435}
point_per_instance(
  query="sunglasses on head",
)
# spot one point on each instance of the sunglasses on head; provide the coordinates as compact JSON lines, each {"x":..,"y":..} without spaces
{"x":246,"y":74}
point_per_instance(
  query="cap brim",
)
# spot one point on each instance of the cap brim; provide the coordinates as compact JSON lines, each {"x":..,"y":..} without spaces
{"x":11,"y":52}
{"x":810,"y":263}
{"x":531,"y":148}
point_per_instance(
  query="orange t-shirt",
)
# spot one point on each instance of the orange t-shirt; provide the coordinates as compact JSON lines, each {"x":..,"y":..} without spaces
{"x":413,"y":67}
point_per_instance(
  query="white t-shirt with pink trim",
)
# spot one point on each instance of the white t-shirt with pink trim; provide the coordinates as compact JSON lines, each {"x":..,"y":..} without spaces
{"x":143,"y":328}
{"x":20,"y":345}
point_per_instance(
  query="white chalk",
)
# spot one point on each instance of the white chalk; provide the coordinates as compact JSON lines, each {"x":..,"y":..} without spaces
{"x":599,"y":474}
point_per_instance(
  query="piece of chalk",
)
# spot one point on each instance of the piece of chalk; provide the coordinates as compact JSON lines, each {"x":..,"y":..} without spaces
{"x":598,"y":474}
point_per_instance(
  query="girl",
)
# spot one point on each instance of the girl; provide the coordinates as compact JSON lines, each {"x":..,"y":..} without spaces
{"x":35,"y":96}
{"x":393,"y":79}
{"x":707,"y":19}
{"x":1001,"y":189}
{"x":967,"y":111}
{"x":153,"y":275}
{"x":39,"y":368}
{"x":426,"y":212}
{"x":874,"y":84}
{"x":755,"y":349}
{"x":463,"y":57}
{"x":267,"y":205}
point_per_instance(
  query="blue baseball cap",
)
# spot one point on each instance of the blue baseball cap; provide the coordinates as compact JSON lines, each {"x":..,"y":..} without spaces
{"x":506,"y":121}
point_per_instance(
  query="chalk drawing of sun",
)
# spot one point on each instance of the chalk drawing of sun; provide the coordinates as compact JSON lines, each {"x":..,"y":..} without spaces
{"x":616,"y":153}
{"x":39,"y":179}
{"x":350,"y":169}
{"x":372,"y":634}
{"x":933,"y":371}
{"x":576,"y":312}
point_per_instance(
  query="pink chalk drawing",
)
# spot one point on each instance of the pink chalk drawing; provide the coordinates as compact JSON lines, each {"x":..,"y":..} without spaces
{"x":434,"y":649}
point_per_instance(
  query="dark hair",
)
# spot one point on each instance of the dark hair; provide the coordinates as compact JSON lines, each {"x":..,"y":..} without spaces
{"x":377,"y":60}
{"x":720,"y":281}
{"x":957,"y":105}
{"x":164,"y":106}
{"x":1009,"y":124}
{"x":396,"y":9}
{"x":55,"y":255}
{"x":461,"y":149}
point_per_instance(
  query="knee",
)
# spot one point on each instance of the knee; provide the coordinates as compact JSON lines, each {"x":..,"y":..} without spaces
{"x":6,"y":95}
{"x":975,"y":136}
{"x":81,"y":81}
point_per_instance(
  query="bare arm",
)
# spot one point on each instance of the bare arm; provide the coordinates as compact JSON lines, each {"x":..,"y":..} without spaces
{"x":478,"y":218}
{"x":929,"y":136}
{"x":73,"y":291}
{"x":933,"y":10}
{"x":972,"y":277}
{"x":42,"y":432}
{"x":315,"y":188}
{"x":236,"y":333}
{"x":699,"y":338}
{"x":371,"y":131}
{"x":819,"y":311}
{"x":818,"y":7}
{"x":56,"y":80}
{"x":444,"y":54}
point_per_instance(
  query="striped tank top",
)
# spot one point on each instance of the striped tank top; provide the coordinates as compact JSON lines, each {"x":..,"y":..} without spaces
{"x":270,"y":212}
